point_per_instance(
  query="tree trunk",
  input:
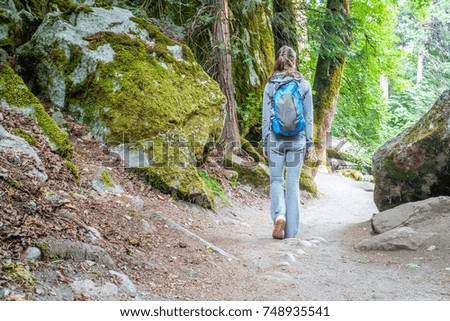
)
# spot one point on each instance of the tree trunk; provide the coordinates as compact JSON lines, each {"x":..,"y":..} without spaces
{"x":327,"y":83}
{"x":289,"y":24}
{"x":223,"y":75}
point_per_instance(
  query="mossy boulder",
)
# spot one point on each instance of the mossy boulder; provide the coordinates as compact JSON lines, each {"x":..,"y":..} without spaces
{"x":15,"y":94}
{"x":16,"y":25}
{"x":415,"y":165}
{"x":307,"y":182}
{"x":253,"y":173}
{"x":130,"y":84}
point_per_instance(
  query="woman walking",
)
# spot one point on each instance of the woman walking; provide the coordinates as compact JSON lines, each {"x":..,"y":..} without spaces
{"x":287,"y":137}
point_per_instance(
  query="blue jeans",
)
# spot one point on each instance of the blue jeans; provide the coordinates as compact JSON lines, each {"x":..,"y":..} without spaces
{"x":289,"y":152}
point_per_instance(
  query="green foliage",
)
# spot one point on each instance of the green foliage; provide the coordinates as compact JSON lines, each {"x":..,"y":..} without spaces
{"x":106,"y":179}
{"x":351,"y":173}
{"x":29,"y":138}
{"x":429,"y":34}
{"x":19,"y":272}
{"x":14,"y":93}
{"x":74,"y":170}
{"x":215,"y":187}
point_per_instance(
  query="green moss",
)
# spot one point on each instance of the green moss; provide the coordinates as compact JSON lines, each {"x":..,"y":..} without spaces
{"x":395,"y":171}
{"x":307,"y":184}
{"x":16,"y":183}
{"x":106,"y":179}
{"x":252,"y":173}
{"x":19,"y":272}
{"x":74,"y":170}
{"x":29,"y":138}
{"x":214,"y":186}
{"x":106,"y":4}
{"x":44,"y":249}
{"x":245,"y":145}
{"x":40,"y":8}
{"x":145,"y":94}
{"x":232,"y":177}
{"x":184,"y":183}
{"x":351,"y":173}
{"x":14,"y":92}
{"x":149,"y":98}
{"x":250,"y":21}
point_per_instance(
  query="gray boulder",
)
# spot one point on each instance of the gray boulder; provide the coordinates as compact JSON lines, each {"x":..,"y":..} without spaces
{"x":396,"y":239}
{"x":56,"y":248}
{"x":415,"y":165}
{"x":412,"y":225}
{"x":19,"y":153}
{"x":123,"y":78}
{"x":431,"y":215}
{"x":104,"y":183}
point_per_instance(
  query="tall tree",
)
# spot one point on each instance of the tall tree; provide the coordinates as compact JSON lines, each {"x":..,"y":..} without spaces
{"x":223,"y":75}
{"x":285,"y":31}
{"x":329,"y":70}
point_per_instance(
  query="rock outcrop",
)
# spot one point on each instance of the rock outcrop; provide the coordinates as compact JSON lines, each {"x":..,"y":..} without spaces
{"x":14,"y":94}
{"x":130,"y":84}
{"x":21,"y":155}
{"x":411,"y":226}
{"x":415,"y":165}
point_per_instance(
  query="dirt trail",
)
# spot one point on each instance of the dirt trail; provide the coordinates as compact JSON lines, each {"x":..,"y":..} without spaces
{"x":322,"y":264}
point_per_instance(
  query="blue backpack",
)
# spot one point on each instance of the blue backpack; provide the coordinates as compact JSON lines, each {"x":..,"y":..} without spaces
{"x":288,"y":109}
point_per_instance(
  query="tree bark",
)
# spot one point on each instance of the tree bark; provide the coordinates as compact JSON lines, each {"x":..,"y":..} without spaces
{"x":327,"y":82}
{"x":223,"y":74}
{"x":289,"y":24}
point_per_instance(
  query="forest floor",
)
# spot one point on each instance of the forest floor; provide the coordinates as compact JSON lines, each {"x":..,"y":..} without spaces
{"x":172,"y":250}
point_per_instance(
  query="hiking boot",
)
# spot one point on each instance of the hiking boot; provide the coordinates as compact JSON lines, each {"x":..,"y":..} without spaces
{"x":278,"y":229}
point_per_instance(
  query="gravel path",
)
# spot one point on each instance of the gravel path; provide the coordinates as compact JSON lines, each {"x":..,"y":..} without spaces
{"x":322,"y":264}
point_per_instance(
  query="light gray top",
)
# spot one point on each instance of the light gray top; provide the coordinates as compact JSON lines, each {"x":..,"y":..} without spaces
{"x":268,"y":112}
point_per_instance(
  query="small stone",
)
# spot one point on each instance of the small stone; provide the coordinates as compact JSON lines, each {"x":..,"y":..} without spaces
{"x":39,"y":290}
{"x":32,"y":204}
{"x":128,"y":286}
{"x":137,"y":202}
{"x":32,"y":253}
{"x":4,"y":293}
{"x":148,"y":228}
{"x":78,"y":196}
{"x":129,"y":218}
{"x":53,"y":198}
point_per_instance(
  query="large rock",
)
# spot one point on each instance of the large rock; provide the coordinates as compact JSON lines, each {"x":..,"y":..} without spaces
{"x":19,"y":153}
{"x":129,"y":83}
{"x":402,"y":238}
{"x":415,"y":165}
{"x":431,"y":215}
{"x":253,"y":173}
{"x":423,"y":224}
{"x":56,"y":249}
{"x":15,"y":95}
